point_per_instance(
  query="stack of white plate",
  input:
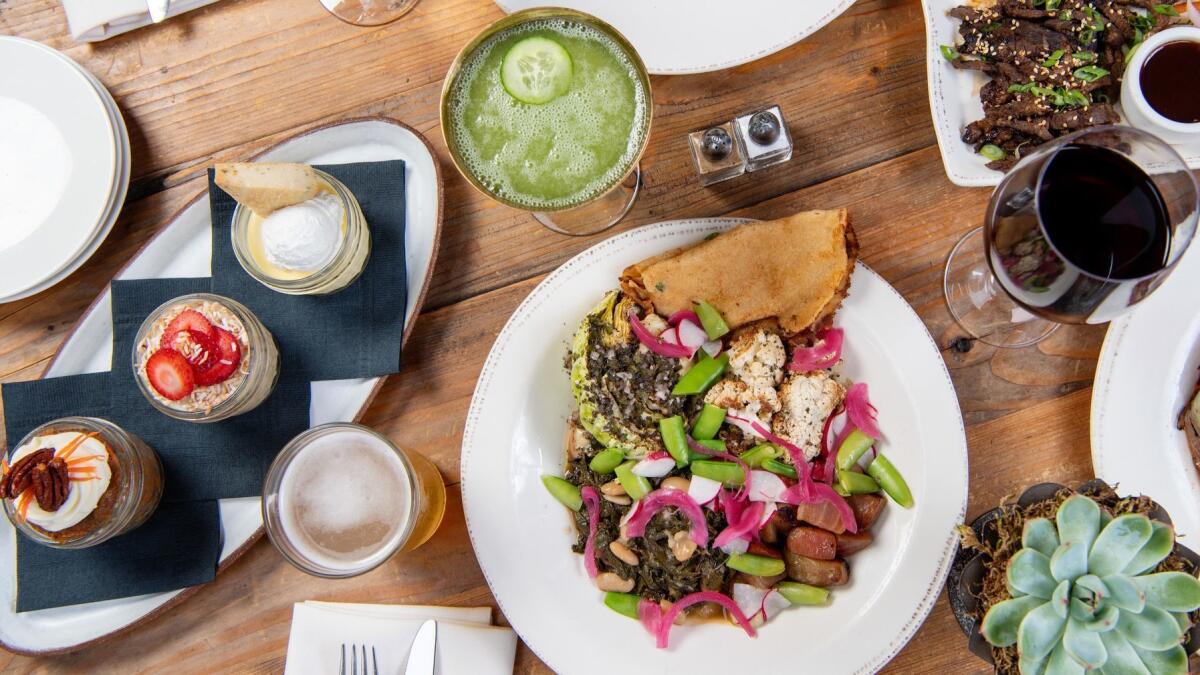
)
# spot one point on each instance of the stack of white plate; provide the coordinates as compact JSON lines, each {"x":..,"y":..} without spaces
{"x":64,"y":166}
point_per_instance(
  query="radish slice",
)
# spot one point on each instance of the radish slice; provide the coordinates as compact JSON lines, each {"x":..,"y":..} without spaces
{"x":670,"y":336}
{"x":703,"y":490}
{"x":662,"y":498}
{"x":589,"y":548}
{"x":765,"y":487}
{"x":668,"y":618}
{"x":860,"y":411}
{"x":736,"y":546}
{"x":745,"y":527}
{"x":655,"y":465}
{"x":767,"y":513}
{"x":773,"y":603}
{"x":825,"y":354}
{"x":749,"y":599}
{"x":684,"y":315}
{"x":691,"y":335}
{"x":653,"y":343}
{"x":713,"y":347}
{"x":742,"y":423}
{"x":820,"y":492}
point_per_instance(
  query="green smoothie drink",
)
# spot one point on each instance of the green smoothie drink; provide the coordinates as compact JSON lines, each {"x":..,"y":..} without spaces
{"x":547,"y":111}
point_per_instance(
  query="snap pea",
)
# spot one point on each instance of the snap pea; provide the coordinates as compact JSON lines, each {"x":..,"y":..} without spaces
{"x":802,"y":594}
{"x":889,"y":478}
{"x":857,"y":483}
{"x":755,"y":565}
{"x":708,"y":422}
{"x":777,"y":467}
{"x":606,"y":460}
{"x":837,"y":487}
{"x":635,"y":486}
{"x":713,"y":444}
{"x":624,"y":603}
{"x":852,"y":449}
{"x":563,"y":491}
{"x":703,"y":375}
{"x":725,"y":472}
{"x":714,"y":324}
{"x":674,"y":437}
{"x":760,"y":453}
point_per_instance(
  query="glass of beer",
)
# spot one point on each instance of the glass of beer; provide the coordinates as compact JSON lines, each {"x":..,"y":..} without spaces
{"x":340,"y":499}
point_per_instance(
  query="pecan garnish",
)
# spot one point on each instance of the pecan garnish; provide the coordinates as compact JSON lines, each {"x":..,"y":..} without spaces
{"x":47,"y":475}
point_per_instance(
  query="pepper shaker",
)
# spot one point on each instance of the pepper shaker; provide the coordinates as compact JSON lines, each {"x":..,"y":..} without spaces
{"x":717,"y":153}
{"x":765,"y":137}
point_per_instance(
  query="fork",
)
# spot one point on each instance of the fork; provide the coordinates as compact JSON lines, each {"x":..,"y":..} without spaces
{"x":358,"y":654}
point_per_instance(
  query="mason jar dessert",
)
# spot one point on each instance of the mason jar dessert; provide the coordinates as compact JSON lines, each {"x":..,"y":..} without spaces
{"x":204,"y":358}
{"x":77,"y":481}
{"x":296,"y":229}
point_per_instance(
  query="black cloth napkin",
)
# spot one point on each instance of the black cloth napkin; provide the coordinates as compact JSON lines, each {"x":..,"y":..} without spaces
{"x":200,"y":461}
{"x":355,"y":332}
{"x":179,"y":546}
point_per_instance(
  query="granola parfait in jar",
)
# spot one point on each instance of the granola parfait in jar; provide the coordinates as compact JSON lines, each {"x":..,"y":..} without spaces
{"x":204,"y":358}
{"x":77,"y":481}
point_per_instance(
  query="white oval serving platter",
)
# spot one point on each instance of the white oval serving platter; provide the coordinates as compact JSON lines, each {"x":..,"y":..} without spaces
{"x":522,"y":536}
{"x":183,"y":249}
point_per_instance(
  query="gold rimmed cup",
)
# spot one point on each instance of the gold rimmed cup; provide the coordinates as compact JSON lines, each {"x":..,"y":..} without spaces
{"x":597,"y":209}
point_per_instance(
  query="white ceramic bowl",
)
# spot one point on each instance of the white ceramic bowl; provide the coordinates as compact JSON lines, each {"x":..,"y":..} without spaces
{"x":1138,"y":111}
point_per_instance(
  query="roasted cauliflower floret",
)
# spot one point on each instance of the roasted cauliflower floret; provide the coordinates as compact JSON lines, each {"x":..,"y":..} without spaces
{"x":745,"y":400}
{"x":757,"y":357}
{"x":807,"y":400}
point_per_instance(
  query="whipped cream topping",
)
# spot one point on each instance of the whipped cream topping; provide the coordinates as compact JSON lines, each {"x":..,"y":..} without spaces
{"x":84,"y":494}
{"x":305,"y":236}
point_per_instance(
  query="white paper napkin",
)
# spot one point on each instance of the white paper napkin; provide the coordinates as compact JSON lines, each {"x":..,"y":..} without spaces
{"x":466,"y":643}
{"x":95,"y":20}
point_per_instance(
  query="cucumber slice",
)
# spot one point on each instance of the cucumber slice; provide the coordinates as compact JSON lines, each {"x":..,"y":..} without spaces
{"x":536,"y":70}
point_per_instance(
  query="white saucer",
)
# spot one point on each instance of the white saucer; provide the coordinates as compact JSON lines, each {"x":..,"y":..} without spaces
{"x":64,"y":167}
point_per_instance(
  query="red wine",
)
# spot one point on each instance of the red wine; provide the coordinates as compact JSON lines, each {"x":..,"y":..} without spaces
{"x":1103,"y":214}
{"x":1171,"y":81}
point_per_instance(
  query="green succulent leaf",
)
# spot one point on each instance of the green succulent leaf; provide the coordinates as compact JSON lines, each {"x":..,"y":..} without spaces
{"x":1161,"y":543}
{"x":1153,"y":629}
{"x":1041,"y":630}
{"x":1118,"y":543}
{"x":1082,"y":611}
{"x":1083,"y":645}
{"x":1172,"y":591}
{"x":1061,"y":598}
{"x":1040,"y":535}
{"x":1181,"y":618}
{"x":1122,"y":659}
{"x":1031,"y":666}
{"x":1164,"y":662}
{"x":1003,"y":619}
{"x":1029,"y":572}
{"x":1078,"y":520}
{"x":1105,"y":619}
{"x":1062,"y":663}
{"x":1124,"y":593}
{"x":1092,"y":585}
{"x":1070,"y":561}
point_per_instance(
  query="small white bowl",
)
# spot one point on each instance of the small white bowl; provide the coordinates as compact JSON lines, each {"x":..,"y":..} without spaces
{"x":1138,"y":111}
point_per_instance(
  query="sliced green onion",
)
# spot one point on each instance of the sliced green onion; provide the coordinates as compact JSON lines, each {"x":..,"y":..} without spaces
{"x":1167,"y":10}
{"x":857,"y":483}
{"x":993,"y":153}
{"x":674,"y":438}
{"x":727,"y":473}
{"x":755,"y":565}
{"x":779,"y":468}
{"x":1076,"y":98}
{"x":754,"y":457}
{"x":1090,"y":73}
{"x":1085,"y":57}
{"x":803,"y":594}
{"x":949,"y":53}
{"x":624,"y":603}
{"x":607,"y":460}
{"x":703,"y":375}
{"x":1053,"y":59}
{"x":1086,"y":36}
{"x":889,"y":478}
{"x":635,"y":486}
{"x":564,"y":491}
{"x":1064,"y":15}
{"x":708,"y":422}
{"x":714,"y":324}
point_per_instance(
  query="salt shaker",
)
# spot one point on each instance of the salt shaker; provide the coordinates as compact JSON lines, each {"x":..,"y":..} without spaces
{"x":717,"y":153}
{"x":765,"y":137}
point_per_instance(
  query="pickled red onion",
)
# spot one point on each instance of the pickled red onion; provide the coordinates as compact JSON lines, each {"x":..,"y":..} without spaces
{"x":860,"y":411}
{"x":704,"y":450}
{"x":650,"y":614}
{"x":668,"y":618}
{"x":589,"y":548}
{"x":683,"y":315}
{"x":824,"y":354}
{"x":663,"y":497}
{"x":655,"y":344}
{"x":820,"y":492}
{"x":745,"y":527}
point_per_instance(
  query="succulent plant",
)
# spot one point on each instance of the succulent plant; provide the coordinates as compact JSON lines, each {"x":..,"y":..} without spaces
{"x":1084,"y":595}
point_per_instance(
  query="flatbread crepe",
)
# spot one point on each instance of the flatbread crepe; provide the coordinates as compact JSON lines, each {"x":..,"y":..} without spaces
{"x":795,"y":269}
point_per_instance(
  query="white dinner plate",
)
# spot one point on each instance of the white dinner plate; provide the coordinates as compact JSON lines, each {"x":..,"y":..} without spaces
{"x":954,"y":102}
{"x":522,"y":536}
{"x":183,"y":249}
{"x":1147,"y":369}
{"x":676,"y":37}
{"x":59,"y":163}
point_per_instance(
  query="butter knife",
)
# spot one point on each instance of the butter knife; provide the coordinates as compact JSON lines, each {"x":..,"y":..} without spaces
{"x":422,"y":654}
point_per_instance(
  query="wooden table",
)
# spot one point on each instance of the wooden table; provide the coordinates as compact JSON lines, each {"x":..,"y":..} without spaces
{"x":222,"y":82}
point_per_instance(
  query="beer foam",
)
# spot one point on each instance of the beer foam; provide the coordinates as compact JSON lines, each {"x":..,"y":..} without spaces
{"x":590,"y":107}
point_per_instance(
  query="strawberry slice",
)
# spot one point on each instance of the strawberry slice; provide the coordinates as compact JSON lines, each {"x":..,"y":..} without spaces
{"x":189,"y":320}
{"x":170,"y":374}
{"x":200,"y":349}
{"x":229,"y":357}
